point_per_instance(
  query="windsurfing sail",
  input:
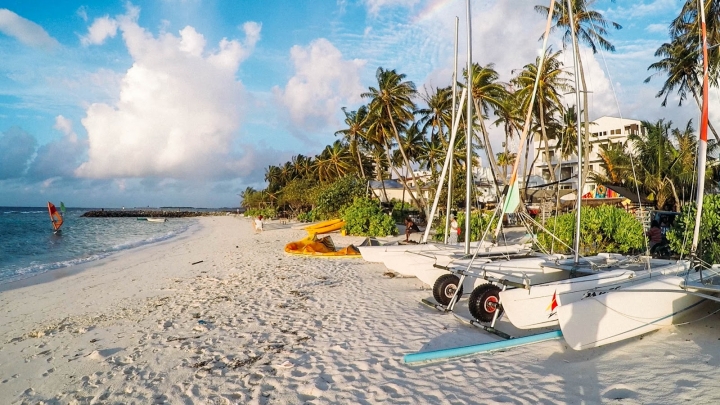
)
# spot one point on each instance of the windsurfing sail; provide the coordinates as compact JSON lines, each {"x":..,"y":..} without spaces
{"x":55,"y":217}
{"x":62,"y":207}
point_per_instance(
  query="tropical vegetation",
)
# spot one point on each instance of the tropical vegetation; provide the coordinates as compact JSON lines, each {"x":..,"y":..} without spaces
{"x":401,"y":129}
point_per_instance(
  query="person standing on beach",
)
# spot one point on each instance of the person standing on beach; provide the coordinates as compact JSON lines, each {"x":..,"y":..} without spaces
{"x":454,"y":231}
{"x":258,"y":223}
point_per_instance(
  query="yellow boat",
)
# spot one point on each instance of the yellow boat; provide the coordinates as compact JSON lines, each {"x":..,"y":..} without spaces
{"x":322,"y":224}
{"x":326,"y":229}
{"x":314,"y":247}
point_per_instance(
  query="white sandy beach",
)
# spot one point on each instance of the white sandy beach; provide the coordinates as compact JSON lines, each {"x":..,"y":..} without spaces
{"x":251,"y":324}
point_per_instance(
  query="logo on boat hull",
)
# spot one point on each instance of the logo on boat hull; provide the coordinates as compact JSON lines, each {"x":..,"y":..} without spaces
{"x":553,"y":305}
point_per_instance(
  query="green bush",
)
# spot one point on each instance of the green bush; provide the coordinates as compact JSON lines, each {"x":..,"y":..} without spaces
{"x":680,"y":235}
{"x":401,"y":211}
{"x":268,"y":212}
{"x":334,"y":197}
{"x":478,"y":223}
{"x":602,"y":229}
{"x":310,"y":216}
{"x":365,"y":218}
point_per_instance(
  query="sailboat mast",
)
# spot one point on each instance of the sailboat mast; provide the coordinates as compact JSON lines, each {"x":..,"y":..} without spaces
{"x":702,"y":145}
{"x":468,"y":133}
{"x":451,"y":146}
{"x":576,"y":57}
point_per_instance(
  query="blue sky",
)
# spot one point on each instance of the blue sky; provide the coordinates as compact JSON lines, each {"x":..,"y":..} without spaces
{"x":186,"y":102}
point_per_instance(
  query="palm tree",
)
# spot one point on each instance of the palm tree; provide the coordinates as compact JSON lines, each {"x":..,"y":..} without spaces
{"x":391,"y":106}
{"x":438,"y":115}
{"x":681,"y":58}
{"x":488,"y":94}
{"x":552,"y":85}
{"x":431,"y":156}
{"x":246,"y":196}
{"x":356,"y":125}
{"x":590,"y":28}
{"x":506,"y":159}
{"x":615,"y":162}
{"x":509,"y":116}
{"x":655,"y":156}
{"x":272,"y":176}
{"x":339,"y":157}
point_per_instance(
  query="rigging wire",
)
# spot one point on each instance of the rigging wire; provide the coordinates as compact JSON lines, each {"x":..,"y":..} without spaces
{"x":632,"y":160}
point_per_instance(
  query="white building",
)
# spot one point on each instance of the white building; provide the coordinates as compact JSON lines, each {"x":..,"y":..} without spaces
{"x":602,"y":131}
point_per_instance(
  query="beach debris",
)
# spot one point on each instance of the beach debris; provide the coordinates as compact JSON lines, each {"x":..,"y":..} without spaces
{"x":287,"y":364}
{"x":249,"y":361}
{"x":178,"y":338}
{"x":198,"y":262}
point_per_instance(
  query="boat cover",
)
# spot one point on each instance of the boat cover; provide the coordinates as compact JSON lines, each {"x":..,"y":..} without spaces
{"x":312,"y":246}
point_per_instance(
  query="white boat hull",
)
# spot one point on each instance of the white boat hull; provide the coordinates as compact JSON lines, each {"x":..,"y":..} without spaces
{"x":534,"y":308}
{"x":632,"y":311}
{"x":422,"y":264}
{"x":378,"y":254}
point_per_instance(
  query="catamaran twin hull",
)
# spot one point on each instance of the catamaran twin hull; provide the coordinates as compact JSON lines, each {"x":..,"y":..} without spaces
{"x":525,"y":270}
{"x":377,"y":254}
{"x":422,"y":263}
{"x":537,"y":306}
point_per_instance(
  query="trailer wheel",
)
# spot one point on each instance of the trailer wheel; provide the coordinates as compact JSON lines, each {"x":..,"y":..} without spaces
{"x":444,"y":288}
{"x":484,"y":302}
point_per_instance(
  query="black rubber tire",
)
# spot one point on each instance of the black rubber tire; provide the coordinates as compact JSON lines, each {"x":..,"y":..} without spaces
{"x":484,"y":301}
{"x":445,"y":287}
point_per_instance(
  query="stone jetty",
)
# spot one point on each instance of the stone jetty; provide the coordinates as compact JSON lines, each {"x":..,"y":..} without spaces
{"x":151,"y":213}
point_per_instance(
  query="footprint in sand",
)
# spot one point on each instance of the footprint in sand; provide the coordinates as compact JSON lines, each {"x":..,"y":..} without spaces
{"x":619,"y":393}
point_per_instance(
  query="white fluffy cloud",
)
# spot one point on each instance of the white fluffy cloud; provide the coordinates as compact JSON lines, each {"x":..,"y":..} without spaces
{"x":178,"y":109}
{"x":58,"y":158}
{"x":101,"y":29}
{"x":323,"y":83}
{"x":25,"y":30}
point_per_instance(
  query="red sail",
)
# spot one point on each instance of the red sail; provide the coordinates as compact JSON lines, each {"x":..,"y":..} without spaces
{"x":55,"y":217}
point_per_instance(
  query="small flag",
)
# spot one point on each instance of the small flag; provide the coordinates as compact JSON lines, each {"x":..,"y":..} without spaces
{"x":512,"y":198}
{"x":553,"y":303}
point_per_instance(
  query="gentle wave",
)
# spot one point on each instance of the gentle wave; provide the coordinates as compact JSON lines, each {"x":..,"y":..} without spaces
{"x":41,"y":268}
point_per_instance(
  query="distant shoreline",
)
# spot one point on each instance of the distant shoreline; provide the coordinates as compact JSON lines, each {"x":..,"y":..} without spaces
{"x":158,"y":213}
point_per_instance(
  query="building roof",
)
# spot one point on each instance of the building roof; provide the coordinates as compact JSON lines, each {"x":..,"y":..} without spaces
{"x":389,"y":184}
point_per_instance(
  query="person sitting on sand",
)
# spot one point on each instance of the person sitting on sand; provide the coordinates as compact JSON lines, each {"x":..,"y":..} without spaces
{"x":410,"y":227}
{"x":654,"y":234}
{"x":258,"y":223}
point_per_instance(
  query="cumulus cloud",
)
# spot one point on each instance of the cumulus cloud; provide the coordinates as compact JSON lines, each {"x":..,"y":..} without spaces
{"x":178,"y":109}
{"x":322,"y":84}
{"x":101,"y":29}
{"x":25,"y":31}
{"x":16,"y":149}
{"x":58,"y":158}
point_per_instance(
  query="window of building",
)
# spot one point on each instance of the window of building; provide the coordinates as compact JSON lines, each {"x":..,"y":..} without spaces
{"x":565,"y":172}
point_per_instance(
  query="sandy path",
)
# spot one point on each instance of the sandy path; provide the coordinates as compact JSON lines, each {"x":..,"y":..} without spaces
{"x":254,"y":325}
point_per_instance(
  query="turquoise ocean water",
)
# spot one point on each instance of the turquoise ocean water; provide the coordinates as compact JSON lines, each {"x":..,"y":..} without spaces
{"x":28,"y":246}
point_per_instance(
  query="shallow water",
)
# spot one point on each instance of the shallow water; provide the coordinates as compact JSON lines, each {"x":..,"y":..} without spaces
{"x":28,"y":246}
